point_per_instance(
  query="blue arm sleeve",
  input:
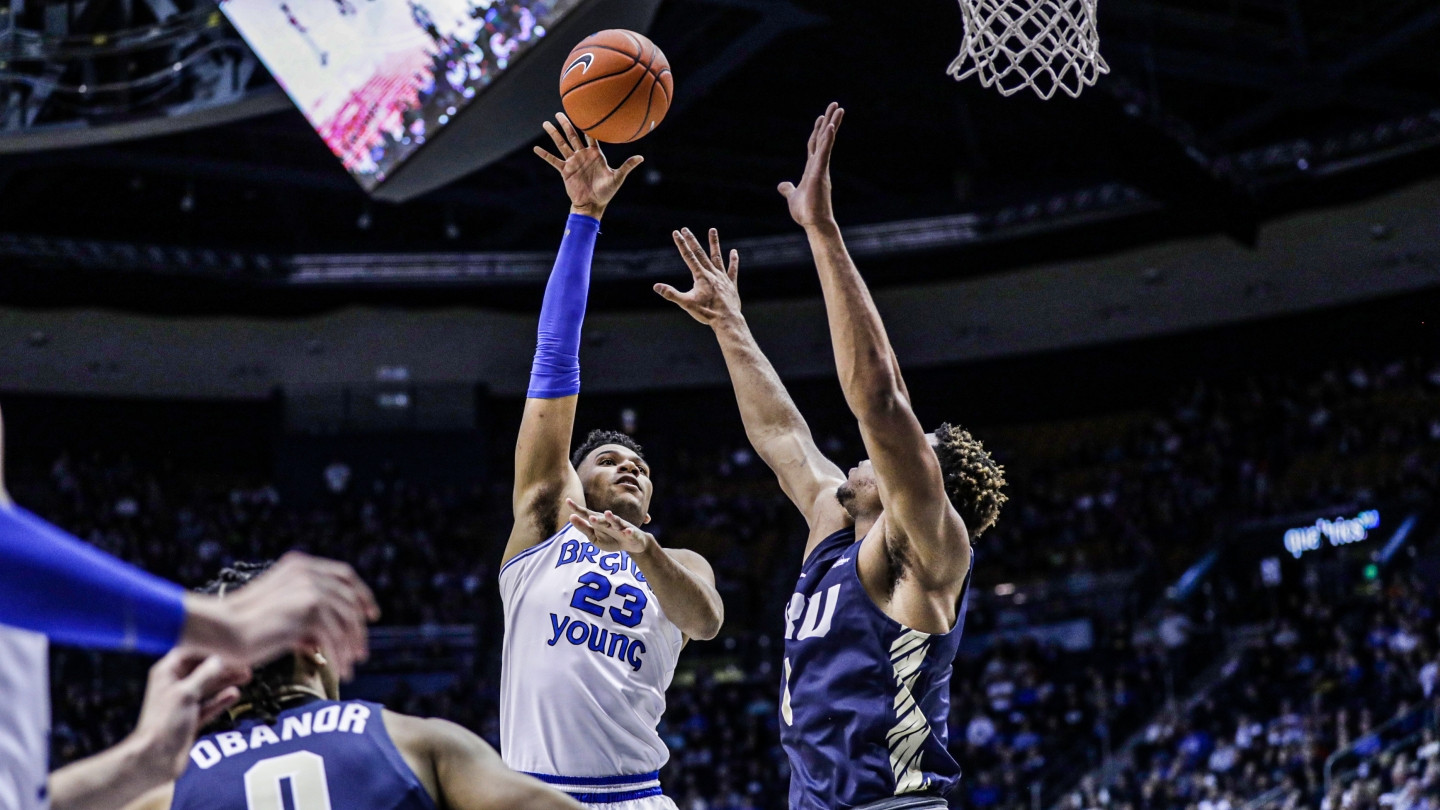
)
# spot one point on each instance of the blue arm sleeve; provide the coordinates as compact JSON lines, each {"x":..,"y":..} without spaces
{"x":556,"y":370}
{"x":76,"y":594}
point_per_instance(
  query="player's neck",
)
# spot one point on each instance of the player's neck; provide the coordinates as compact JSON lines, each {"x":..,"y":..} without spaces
{"x":864,"y":524}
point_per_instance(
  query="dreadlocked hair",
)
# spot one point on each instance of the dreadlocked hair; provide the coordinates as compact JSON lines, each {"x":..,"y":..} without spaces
{"x":598,"y":438}
{"x":973,"y":481}
{"x":267,"y":684}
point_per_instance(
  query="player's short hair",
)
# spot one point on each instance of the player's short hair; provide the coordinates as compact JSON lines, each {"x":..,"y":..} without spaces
{"x":973,"y":480}
{"x":268,"y":682}
{"x":598,"y":438}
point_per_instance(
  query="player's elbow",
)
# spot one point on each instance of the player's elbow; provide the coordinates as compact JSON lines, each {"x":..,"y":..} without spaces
{"x":880,"y":403}
{"x":707,"y":626}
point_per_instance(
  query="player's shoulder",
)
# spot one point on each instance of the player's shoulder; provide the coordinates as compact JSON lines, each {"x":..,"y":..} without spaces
{"x":515,"y":553}
{"x":828,"y":522}
{"x":692,"y":560}
{"x":429,"y":738}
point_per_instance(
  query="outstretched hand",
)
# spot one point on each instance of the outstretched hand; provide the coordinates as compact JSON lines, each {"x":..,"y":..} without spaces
{"x":810,"y":199}
{"x":301,"y":603}
{"x":609,"y":532}
{"x":714,"y":297}
{"x":185,"y":691}
{"x":589,"y":180}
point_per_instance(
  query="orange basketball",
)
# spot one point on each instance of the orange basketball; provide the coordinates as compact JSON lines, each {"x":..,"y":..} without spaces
{"x":616,"y":86}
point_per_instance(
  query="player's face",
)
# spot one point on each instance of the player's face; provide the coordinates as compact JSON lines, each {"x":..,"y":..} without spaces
{"x":859,"y":494}
{"x":617,"y":479}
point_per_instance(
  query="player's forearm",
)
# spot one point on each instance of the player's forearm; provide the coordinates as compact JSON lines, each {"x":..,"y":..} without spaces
{"x":765,"y":405}
{"x":543,"y":448}
{"x":112,"y":778}
{"x":689,"y":601}
{"x":869,"y":373}
{"x":72,"y":592}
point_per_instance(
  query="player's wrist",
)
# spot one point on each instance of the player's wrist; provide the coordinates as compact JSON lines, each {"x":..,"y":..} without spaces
{"x":209,"y":627}
{"x":824,"y":226}
{"x":648,"y":546}
{"x":142,"y":762}
{"x":730,"y":324}
{"x":592,"y":210}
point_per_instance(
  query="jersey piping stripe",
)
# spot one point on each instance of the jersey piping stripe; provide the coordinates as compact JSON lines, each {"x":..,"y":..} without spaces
{"x":614,"y":798}
{"x":529,"y":551}
{"x":598,"y":781}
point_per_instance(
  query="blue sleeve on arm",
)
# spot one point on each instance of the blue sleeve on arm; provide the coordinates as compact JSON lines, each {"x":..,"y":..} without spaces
{"x":76,"y":594}
{"x":556,"y":371}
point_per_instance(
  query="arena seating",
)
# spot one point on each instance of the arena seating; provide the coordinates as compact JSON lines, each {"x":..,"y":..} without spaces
{"x":1147,"y":490}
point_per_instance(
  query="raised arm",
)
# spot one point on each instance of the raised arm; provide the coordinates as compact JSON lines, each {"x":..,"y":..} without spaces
{"x":907,"y":471}
{"x":773,"y":424}
{"x":544,"y":477}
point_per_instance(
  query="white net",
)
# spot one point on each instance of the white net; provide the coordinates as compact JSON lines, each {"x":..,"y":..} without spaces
{"x":1040,"y":44}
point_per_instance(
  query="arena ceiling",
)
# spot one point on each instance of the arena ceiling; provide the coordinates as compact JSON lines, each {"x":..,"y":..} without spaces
{"x":1215,"y":118}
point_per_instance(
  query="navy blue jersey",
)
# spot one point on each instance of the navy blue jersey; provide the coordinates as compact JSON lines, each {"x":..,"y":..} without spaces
{"x":865,"y":701}
{"x":321,"y":755}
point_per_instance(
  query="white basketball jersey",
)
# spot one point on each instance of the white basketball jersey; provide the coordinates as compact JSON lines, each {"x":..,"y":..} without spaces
{"x":588,"y":657}
{"x":24,"y":719}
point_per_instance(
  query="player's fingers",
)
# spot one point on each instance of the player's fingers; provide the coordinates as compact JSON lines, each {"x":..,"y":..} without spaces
{"x":814,"y":135}
{"x":627,"y":167}
{"x":354,"y":637}
{"x":786,"y":189}
{"x":733,"y":271}
{"x":667,"y":292}
{"x":355,"y":588}
{"x":824,"y":148}
{"x":697,"y":251}
{"x":623,"y":524}
{"x":689,"y":251}
{"x":560,"y":142}
{"x":583,"y":525}
{"x":213,"y":675}
{"x":178,"y":664}
{"x":570,"y":133}
{"x":715,"y":255}
{"x":335,"y":644}
{"x":348,"y":612}
{"x":551,"y":159}
{"x":218,"y":703}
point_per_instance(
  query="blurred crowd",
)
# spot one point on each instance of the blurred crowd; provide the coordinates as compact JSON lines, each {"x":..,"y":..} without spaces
{"x":1322,"y":675}
{"x":1142,"y":491}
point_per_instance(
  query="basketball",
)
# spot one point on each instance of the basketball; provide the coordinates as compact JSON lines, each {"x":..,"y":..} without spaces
{"x":616,"y":86}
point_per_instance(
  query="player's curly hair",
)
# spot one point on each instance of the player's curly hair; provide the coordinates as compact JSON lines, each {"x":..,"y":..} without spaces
{"x":267,"y":684}
{"x":603,"y":437}
{"x":973,"y":480}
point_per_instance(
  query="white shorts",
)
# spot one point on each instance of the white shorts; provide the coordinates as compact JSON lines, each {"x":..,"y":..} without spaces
{"x":613,"y":792}
{"x":661,"y":802}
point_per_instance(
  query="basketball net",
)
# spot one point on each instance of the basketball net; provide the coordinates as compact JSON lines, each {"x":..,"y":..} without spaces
{"x":1040,"y":44}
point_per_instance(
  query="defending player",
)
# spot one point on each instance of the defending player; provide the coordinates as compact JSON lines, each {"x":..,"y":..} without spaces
{"x":873,"y":626}
{"x":595,"y":610}
{"x":294,"y":744}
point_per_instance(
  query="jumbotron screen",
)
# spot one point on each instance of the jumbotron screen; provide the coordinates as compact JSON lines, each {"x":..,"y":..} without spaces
{"x":378,"y":78}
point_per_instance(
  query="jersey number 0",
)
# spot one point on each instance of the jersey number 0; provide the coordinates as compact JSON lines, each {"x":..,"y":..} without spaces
{"x":301,"y":775}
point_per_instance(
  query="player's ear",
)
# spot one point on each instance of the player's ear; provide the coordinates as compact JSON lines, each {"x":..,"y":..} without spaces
{"x":646,"y":520}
